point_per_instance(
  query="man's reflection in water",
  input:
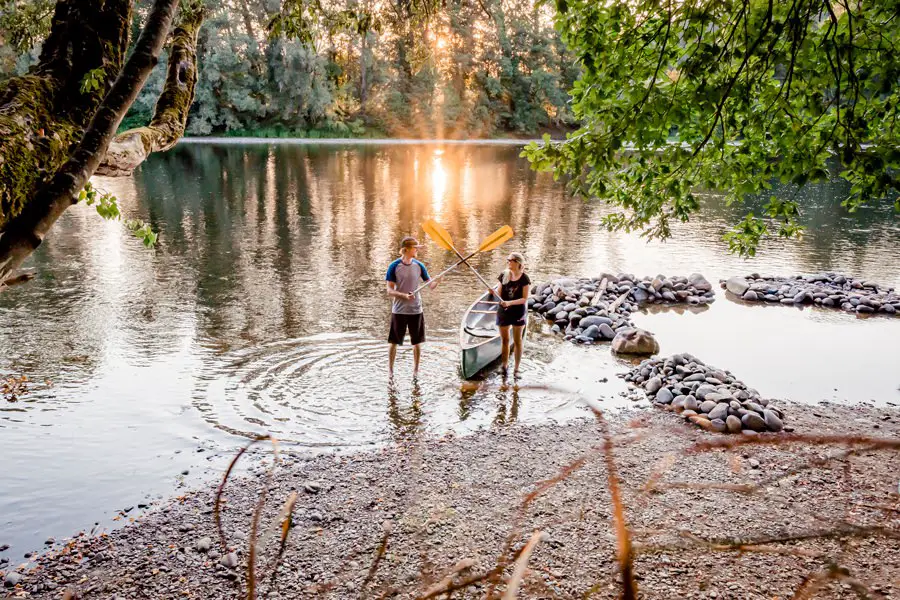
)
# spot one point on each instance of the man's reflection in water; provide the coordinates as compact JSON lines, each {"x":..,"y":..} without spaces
{"x":507,"y":404}
{"x":406,"y":421}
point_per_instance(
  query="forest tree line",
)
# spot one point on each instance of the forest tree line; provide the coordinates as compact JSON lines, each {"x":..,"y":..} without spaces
{"x":456,"y":69}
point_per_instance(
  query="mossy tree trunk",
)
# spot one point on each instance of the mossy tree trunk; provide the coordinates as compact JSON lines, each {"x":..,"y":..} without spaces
{"x":49,"y":101}
{"x":43,"y":113}
{"x":130,"y":148}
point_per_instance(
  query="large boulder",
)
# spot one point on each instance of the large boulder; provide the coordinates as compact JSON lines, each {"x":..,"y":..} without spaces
{"x":635,"y":341}
{"x":737,"y":286}
{"x":699,"y":282}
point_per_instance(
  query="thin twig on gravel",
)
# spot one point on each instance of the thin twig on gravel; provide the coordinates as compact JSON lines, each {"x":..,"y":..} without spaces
{"x":518,"y":574}
{"x":623,"y":536}
{"x":217,"y":505}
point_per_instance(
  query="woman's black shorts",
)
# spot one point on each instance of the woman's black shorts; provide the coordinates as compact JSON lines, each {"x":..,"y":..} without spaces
{"x":511,"y":317}
{"x":399,"y":325}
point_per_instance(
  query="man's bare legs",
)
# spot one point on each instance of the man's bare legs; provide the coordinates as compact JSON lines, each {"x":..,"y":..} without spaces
{"x":417,"y":352}
{"x":392,"y":354}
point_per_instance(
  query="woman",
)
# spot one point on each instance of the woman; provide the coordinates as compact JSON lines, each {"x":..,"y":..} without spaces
{"x":512,"y":311}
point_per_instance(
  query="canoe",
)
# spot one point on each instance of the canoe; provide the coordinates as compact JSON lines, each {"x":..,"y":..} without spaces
{"x":479,"y":337}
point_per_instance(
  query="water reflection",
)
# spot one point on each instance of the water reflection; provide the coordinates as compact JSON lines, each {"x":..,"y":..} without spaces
{"x":265,"y":244}
{"x":405,"y":413}
{"x":507,"y":404}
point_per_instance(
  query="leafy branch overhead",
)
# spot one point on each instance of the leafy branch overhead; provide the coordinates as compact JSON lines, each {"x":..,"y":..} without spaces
{"x":734,"y":95}
{"x":107,"y":207}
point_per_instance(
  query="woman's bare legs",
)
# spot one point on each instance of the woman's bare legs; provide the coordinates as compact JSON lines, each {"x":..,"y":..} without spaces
{"x":504,"y":352}
{"x":517,"y":338}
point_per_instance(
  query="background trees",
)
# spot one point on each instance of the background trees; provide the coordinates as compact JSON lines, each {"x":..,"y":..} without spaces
{"x":460,"y":68}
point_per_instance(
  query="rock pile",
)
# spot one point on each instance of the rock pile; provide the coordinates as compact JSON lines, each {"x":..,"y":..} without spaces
{"x":824,"y":289}
{"x":589,"y":310}
{"x":708,"y":397}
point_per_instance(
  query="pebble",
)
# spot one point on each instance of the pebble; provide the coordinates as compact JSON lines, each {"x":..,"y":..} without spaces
{"x":203,"y":544}
{"x":664,"y":396}
{"x":719,"y":411}
{"x":733,"y":423}
{"x":230,"y":560}
{"x":12,"y":579}
{"x":772,"y":420}
{"x":753,"y":421}
{"x":707,"y":405}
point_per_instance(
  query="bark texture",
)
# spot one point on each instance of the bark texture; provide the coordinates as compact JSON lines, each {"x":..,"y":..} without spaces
{"x":45,"y":111}
{"x":130,"y":148}
{"x":25,"y":232}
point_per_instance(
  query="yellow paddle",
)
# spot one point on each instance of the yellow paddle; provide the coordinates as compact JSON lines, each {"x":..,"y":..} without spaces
{"x":443,"y":239}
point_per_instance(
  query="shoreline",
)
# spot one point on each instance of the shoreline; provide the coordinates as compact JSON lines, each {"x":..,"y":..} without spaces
{"x":441,"y":501}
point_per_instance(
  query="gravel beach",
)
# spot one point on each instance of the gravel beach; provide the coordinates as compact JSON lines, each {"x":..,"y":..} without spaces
{"x":416,"y":518}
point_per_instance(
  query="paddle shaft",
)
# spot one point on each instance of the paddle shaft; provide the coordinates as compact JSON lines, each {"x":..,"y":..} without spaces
{"x":444,"y":272}
{"x":462,"y":259}
{"x":477,"y":274}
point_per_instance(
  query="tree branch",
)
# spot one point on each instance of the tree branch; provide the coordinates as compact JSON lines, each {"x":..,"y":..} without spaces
{"x":26,"y":232}
{"x":734,"y":79}
{"x":45,"y":111}
{"x":130,"y":148}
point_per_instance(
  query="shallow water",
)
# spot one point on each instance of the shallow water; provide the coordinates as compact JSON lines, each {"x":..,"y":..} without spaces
{"x":263,"y":311}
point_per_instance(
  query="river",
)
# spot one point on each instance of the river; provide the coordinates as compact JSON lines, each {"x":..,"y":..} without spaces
{"x":262,"y":310}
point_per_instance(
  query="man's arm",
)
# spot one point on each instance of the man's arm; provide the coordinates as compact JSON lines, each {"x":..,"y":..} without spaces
{"x":393,"y":292}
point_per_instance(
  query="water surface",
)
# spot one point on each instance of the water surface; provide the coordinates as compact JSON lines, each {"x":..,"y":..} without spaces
{"x":263,"y":311}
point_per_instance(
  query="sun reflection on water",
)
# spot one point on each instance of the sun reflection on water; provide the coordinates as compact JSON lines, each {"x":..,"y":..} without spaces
{"x":438,"y":182}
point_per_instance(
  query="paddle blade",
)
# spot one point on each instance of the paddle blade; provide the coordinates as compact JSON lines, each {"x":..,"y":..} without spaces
{"x":440,"y":235}
{"x":496,"y":239}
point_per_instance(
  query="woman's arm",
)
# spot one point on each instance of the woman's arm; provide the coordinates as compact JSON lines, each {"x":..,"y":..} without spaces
{"x":525,"y":292}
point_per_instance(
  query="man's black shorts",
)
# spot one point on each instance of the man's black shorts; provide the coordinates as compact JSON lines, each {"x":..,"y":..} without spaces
{"x":399,"y":325}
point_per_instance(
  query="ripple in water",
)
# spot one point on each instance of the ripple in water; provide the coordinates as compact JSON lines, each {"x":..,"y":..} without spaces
{"x":332,"y":391}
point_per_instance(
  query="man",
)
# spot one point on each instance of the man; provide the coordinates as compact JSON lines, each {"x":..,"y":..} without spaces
{"x":403,"y":276}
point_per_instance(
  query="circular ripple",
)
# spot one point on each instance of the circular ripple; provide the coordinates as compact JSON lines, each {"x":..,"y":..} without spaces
{"x":323,"y":390}
{"x":332,"y":390}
